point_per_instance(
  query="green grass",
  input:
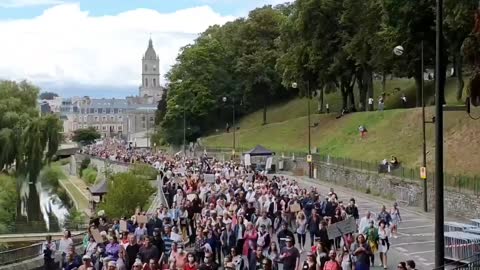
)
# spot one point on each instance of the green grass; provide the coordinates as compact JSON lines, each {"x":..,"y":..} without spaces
{"x":89,"y":175}
{"x":392,"y":132}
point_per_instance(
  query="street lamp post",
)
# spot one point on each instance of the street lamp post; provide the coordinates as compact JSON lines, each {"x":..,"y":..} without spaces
{"x":184,"y":128}
{"x":309,"y":125}
{"x":399,"y":51}
{"x":439,"y":97}
{"x":233,"y":122}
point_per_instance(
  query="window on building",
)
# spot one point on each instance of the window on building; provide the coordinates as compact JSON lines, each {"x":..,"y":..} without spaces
{"x":154,"y":82}
{"x":95,"y":110}
{"x":115,"y":110}
{"x":85,"y":118}
{"x":146,"y":82}
{"x":152,"y":119}
{"x":120,"y":118}
{"x":145,"y":68}
{"x":96,"y":118}
{"x":82,"y":110}
{"x":104,"y":118}
{"x":143,"y":125}
{"x":112,"y":118}
{"x":104,"y":128}
{"x":108,"y":110}
{"x":119,"y":128}
{"x":104,"y":110}
{"x":143,"y":118}
{"x":154,"y":67}
{"x":92,"y":110}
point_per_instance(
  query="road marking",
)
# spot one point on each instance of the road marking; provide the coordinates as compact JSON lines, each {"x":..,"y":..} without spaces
{"x":415,"y":227}
{"x":421,"y":259}
{"x":401,"y":249}
{"x":412,"y":243}
{"x":427,"y":264}
{"x":420,"y":252}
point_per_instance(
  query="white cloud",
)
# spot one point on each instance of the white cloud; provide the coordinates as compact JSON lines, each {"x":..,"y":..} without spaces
{"x":67,"y":46}
{"x":25,"y":3}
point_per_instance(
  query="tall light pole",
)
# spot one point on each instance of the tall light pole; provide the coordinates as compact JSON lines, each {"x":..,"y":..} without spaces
{"x":310,"y":167}
{"x":184,"y":122}
{"x":399,"y":51}
{"x":439,"y":97}
{"x":184,"y":128}
{"x":233,"y":121}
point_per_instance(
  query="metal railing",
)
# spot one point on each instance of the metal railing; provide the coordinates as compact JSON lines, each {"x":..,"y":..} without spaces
{"x":31,"y":251}
{"x":460,"y":183}
{"x":475,"y":264}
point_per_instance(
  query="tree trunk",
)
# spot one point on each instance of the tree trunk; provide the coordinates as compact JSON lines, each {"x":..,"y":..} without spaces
{"x":344,"y":92}
{"x":265,"y":104}
{"x":320,"y":99}
{"x":361,"y":90}
{"x":459,"y":74}
{"x":418,"y":84}
{"x":384,"y":84}
{"x":351,"y":98}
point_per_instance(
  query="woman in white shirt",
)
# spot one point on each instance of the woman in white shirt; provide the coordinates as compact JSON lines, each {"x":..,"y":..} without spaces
{"x":64,"y":244}
{"x":383,"y":234}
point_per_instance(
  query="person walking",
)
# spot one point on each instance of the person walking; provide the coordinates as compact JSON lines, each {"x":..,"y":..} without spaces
{"x":362,"y":253}
{"x":383,"y":234}
{"x":301,"y":223}
{"x":396,"y":219}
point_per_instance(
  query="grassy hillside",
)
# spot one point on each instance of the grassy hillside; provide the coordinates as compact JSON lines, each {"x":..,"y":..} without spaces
{"x":392,"y":132}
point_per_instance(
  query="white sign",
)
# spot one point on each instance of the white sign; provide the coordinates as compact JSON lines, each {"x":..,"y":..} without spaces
{"x":309,"y":158}
{"x":247,"y":160}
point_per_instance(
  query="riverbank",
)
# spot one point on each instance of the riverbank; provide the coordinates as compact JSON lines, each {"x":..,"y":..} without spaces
{"x":77,"y":190}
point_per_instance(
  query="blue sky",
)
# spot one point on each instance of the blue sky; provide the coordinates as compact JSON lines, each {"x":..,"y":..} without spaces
{"x":94,"y":47}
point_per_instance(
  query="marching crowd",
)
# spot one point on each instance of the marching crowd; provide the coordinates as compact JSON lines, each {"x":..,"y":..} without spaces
{"x":222,"y":215}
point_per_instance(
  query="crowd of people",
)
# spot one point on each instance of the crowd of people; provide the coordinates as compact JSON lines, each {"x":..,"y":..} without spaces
{"x":222,"y":215}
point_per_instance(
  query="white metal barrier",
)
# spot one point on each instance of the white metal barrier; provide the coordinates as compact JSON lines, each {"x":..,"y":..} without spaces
{"x":475,"y":222}
{"x":461,"y":246}
{"x":457,"y":227}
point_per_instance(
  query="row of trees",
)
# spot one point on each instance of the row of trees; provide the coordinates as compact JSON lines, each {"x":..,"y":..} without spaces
{"x":324,"y":45}
{"x":27,"y":140}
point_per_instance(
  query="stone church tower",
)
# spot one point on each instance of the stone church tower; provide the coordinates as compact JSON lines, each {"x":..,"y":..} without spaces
{"x":150,"y":90}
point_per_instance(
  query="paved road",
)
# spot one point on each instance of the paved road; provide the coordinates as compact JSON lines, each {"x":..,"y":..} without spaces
{"x":416,"y":232}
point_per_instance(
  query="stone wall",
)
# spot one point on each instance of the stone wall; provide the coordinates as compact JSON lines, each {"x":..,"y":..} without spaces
{"x":391,"y":187}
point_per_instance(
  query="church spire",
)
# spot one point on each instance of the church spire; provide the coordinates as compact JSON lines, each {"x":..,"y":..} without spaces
{"x":150,"y":53}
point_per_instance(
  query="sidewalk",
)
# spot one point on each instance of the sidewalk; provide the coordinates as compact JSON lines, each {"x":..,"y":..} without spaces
{"x":77,"y":189}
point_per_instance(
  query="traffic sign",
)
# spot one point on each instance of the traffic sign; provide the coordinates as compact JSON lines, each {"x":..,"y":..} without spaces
{"x":309,"y":158}
{"x":423,"y":173}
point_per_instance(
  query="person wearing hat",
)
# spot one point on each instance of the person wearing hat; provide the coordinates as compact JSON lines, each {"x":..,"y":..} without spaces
{"x":310,"y":263}
{"x":283,"y":234}
{"x":87,"y":262}
{"x":289,"y":255}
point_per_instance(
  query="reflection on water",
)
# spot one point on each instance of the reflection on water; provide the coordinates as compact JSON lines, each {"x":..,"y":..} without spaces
{"x":40,"y":208}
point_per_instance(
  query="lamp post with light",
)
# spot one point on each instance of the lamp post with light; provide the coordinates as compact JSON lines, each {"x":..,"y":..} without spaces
{"x":310,"y":167}
{"x":225,"y":99}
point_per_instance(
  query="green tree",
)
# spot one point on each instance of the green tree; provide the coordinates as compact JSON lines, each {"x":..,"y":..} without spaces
{"x":86,"y":135}
{"x":48,"y":95}
{"x":126,"y":192}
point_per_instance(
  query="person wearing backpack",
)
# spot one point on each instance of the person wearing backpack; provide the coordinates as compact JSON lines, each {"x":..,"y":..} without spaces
{"x":332,"y":264}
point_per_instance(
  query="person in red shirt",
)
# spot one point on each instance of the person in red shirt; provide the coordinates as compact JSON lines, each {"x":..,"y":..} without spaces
{"x":332,"y":264}
{"x":190,"y":265}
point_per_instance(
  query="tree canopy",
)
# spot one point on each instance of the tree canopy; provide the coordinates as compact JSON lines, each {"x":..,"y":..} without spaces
{"x":323,"y":45}
{"x":27,"y":139}
{"x":85,"y":135}
{"x":48,"y":95}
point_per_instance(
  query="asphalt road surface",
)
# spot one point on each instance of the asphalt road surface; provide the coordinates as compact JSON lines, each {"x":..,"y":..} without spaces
{"x":415,"y":234}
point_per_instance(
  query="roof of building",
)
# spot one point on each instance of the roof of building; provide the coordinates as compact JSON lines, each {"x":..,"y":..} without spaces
{"x":150,"y":54}
{"x":108,"y":102}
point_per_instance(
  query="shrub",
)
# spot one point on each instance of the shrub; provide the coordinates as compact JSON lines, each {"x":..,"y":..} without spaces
{"x":129,"y":193}
{"x":89,"y":175}
{"x":50,"y":175}
{"x":8,"y":202}
{"x":83,"y":165}
{"x":145,"y":171}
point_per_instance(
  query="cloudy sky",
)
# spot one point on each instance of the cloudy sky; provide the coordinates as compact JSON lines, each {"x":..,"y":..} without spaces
{"x":94,"y":47}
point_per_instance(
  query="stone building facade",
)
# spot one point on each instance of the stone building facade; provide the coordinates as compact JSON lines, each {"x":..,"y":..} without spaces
{"x":119,"y":117}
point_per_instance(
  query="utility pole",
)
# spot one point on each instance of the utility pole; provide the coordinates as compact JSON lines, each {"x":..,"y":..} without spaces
{"x":439,"y":91}
{"x":424,"y":164}
{"x":309,"y":131}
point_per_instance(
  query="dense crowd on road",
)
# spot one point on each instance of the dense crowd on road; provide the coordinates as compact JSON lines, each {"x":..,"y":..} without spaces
{"x":223,"y":215}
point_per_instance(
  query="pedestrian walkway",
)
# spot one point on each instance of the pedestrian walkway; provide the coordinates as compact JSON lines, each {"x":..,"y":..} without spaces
{"x":416,"y":232}
{"x":77,"y":190}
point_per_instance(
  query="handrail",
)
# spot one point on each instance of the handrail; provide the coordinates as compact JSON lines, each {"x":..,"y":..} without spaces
{"x":29,"y":252}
